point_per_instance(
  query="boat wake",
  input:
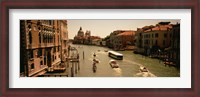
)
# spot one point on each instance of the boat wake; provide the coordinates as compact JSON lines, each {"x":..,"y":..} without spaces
{"x":118,"y":71}
{"x":144,"y":74}
{"x":141,"y":74}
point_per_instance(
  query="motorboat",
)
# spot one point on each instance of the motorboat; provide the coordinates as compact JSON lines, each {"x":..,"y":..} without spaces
{"x":143,"y":69}
{"x":114,"y":64}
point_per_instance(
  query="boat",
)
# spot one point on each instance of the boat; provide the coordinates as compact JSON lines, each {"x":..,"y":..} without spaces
{"x":143,"y":69}
{"x":56,"y":69}
{"x":113,"y":64}
{"x":105,"y":50}
{"x":115,"y":55}
{"x":96,"y":60}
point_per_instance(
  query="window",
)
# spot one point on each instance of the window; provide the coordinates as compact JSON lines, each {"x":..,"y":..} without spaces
{"x":140,"y":34}
{"x":58,"y":40}
{"x":54,"y":39}
{"x":39,"y":28}
{"x":51,"y":39}
{"x":49,"y":22}
{"x":54,"y":49}
{"x":39,"y":52}
{"x":165,"y":35}
{"x":44,"y":38}
{"x":152,"y":35}
{"x":156,"y":35}
{"x":58,"y":49}
{"x":32,"y":66}
{"x":163,"y":42}
{"x":146,"y":41}
{"x":29,"y":26}
{"x":30,"y":37}
{"x":44,"y":60}
{"x":53,"y":57}
{"x":41,"y":62}
{"x":30,"y":54}
{"x":40,"y":38}
{"x":48,"y":39}
{"x":156,"y":42}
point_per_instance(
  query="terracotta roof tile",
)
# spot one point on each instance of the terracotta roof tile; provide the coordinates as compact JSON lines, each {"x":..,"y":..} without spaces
{"x":160,"y":27}
{"x":126,"y":33}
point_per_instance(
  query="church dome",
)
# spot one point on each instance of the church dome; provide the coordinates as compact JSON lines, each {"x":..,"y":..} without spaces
{"x":80,"y":32}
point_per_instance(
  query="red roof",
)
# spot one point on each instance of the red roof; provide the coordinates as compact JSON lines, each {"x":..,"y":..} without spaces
{"x":160,"y":27}
{"x":126,"y":33}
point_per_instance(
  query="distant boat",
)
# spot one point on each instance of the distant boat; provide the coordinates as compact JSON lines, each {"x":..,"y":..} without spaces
{"x":106,"y":50}
{"x":115,"y":55}
{"x":96,"y":60}
{"x":143,"y":69}
{"x":114,"y":64}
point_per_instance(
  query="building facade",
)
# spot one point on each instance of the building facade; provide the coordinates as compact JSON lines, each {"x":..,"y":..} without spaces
{"x":151,"y":38}
{"x":174,"y":50}
{"x":120,"y":39}
{"x":40,"y":47}
{"x":125,"y":40}
{"x":64,"y":40}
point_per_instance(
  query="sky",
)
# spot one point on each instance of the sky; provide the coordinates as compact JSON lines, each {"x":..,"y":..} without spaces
{"x":103,"y":28}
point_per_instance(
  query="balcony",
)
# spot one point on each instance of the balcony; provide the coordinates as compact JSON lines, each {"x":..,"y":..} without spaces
{"x":48,"y":44}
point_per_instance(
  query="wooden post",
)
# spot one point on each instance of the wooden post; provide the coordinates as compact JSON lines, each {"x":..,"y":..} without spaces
{"x":75,"y":67}
{"x":83,"y":55}
{"x":72,"y":73}
{"x":78,"y":65}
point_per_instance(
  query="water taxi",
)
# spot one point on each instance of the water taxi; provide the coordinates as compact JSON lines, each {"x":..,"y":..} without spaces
{"x":115,"y":55}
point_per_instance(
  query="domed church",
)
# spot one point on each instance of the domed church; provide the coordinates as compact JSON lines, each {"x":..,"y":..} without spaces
{"x":80,"y":32}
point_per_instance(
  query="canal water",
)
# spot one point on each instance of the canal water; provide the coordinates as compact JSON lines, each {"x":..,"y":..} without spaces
{"x":128,"y":67}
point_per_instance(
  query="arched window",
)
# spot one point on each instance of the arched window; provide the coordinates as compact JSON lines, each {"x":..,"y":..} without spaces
{"x":48,"y":39}
{"x":58,"y":40}
{"x":30,"y":37}
{"x":43,"y":38}
{"x":54,"y":38}
{"x":40,"y":38}
{"x":51,"y":39}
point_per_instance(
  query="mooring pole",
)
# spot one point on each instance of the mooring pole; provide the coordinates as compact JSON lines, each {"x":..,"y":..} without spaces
{"x":83,"y":55}
{"x":78,"y":66}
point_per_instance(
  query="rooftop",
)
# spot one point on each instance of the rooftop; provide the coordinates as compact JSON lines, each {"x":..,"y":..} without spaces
{"x":126,"y":33}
